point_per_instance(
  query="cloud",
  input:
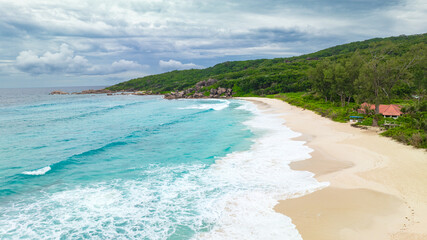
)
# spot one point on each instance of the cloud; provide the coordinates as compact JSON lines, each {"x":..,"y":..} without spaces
{"x":177,"y":65}
{"x":408,"y":16}
{"x":106,"y":36}
{"x":6,"y":66}
{"x":65,"y":61}
{"x":116,"y":67}
{"x":125,"y":65}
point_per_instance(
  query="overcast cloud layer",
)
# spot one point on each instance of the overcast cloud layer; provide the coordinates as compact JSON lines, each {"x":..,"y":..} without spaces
{"x":87,"y":43}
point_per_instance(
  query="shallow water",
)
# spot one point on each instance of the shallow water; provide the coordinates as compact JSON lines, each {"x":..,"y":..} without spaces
{"x":141,"y":167}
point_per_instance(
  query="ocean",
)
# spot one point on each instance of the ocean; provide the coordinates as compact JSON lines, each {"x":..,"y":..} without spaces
{"x":142,"y":167}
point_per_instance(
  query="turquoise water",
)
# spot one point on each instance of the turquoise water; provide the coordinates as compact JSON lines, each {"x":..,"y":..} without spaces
{"x":141,"y":167}
{"x":86,"y":143}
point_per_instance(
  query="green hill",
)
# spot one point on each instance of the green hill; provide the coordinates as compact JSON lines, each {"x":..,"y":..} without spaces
{"x":332,"y":82}
{"x":268,"y":76}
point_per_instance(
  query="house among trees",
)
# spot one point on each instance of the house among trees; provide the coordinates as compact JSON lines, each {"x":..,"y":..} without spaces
{"x":391,"y":110}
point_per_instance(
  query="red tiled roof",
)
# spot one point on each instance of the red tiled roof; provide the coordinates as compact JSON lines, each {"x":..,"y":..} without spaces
{"x":392,"y":110}
{"x":386,"y":110}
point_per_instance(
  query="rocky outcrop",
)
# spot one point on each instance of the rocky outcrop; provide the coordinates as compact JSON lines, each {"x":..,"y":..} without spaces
{"x":92,"y":91}
{"x":195,"y":93}
{"x":57,"y":92}
{"x":206,"y":83}
{"x":142,"y":93}
{"x":220,"y":92}
{"x":200,"y":91}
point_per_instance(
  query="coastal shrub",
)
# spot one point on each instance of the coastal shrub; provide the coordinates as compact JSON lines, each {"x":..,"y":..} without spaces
{"x":414,"y":137}
{"x":334,"y":115}
{"x":312,"y":102}
{"x":367,"y":121}
{"x":412,"y":127}
{"x":417,"y":140}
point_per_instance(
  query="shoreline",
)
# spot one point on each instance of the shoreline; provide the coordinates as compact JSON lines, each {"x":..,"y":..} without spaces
{"x":377,"y":186}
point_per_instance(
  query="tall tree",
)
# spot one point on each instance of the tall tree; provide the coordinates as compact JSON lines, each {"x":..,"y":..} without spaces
{"x":352,"y":67}
{"x":382,"y":71}
{"x":420,"y":72}
{"x":340,"y":82}
{"x":320,"y":78}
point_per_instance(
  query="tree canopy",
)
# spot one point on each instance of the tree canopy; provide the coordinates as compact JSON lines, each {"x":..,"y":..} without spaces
{"x":372,"y":70}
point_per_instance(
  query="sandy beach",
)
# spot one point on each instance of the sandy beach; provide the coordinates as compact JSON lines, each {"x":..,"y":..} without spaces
{"x":378,"y":187}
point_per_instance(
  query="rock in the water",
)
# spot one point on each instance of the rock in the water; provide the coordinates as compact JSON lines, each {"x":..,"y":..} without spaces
{"x":57,"y":92}
{"x":198,"y":95}
{"x":100,"y":91}
{"x":140,"y":93}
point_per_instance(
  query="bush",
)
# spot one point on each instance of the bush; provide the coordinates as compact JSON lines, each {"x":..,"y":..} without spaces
{"x":417,"y":140}
{"x":312,"y":102}
{"x":414,"y":137}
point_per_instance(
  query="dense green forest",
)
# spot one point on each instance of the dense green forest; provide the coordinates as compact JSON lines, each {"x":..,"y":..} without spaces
{"x":269,"y":76}
{"x":335,"y":80}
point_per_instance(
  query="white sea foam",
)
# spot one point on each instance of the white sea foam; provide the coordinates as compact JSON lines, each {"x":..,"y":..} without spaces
{"x":248,"y":106}
{"x":266,"y":176}
{"x":139,"y":209}
{"x":40,"y":171}
{"x":232,"y":199}
{"x":215,"y":106}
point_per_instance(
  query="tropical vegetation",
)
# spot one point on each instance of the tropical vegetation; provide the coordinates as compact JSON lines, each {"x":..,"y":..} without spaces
{"x":333,"y":82}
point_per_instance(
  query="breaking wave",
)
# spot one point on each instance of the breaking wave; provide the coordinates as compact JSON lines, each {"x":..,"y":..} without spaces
{"x":41,"y":171}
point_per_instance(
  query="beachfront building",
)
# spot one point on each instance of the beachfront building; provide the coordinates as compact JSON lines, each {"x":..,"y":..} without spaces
{"x":354,"y":119}
{"x":391,"y":110}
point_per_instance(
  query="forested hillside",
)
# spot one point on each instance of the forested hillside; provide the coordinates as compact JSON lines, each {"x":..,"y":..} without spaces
{"x":332,"y":82}
{"x":270,"y":76}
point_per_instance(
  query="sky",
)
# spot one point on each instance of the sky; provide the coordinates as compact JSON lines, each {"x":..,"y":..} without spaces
{"x":100,"y":43}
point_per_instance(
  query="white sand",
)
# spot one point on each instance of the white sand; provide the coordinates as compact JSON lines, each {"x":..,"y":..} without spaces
{"x":378,"y":186}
